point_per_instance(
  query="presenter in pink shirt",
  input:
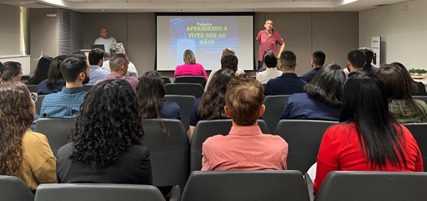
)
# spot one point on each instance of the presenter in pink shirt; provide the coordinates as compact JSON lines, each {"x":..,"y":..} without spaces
{"x":268,"y":39}
{"x":245,"y":147}
{"x":190,"y":67}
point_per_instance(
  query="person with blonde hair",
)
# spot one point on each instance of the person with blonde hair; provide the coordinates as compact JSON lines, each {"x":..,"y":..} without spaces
{"x":190,"y":67}
{"x":23,"y":153}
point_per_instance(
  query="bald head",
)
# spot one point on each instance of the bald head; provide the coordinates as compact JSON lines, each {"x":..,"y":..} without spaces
{"x":103,"y":32}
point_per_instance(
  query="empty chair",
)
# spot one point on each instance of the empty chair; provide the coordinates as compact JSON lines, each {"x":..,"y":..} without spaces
{"x":419,"y":131}
{"x":32,"y":87}
{"x":274,"y":106}
{"x":378,"y":186}
{"x":191,"y":79}
{"x":192,"y":89}
{"x":245,"y":185}
{"x":56,"y":131}
{"x":39,"y":103}
{"x":204,"y":130}
{"x":14,"y":189}
{"x":169,"y":151}
{"x":185,"y":103}
{"x":303,"y":137}
{"x":97,"y":192}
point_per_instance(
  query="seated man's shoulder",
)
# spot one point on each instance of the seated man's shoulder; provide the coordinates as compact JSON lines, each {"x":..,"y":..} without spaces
{"x":213,"y":140}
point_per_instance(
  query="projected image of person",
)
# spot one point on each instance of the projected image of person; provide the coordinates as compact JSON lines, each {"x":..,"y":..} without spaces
{"x":190,"y":67}
{"x":268,"y":40}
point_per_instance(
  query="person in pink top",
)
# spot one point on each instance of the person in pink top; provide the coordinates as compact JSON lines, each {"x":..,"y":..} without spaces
{"x":245,"y":147}
{"x":190,"y":67}
{"x":268,"y":39}
{"x":368,"y":138}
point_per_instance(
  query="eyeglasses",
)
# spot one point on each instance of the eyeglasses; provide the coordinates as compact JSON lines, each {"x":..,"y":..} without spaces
{"x":34,"y":96}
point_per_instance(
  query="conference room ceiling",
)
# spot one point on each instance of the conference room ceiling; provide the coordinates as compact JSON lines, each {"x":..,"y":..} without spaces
{"x":205,"y":5}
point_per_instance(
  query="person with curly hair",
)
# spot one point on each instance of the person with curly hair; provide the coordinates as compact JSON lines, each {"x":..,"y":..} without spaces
{"x":106,"y":142}
{"x":211,"y":104}
{"x":150,"y":92}
{"x":23,"y":153}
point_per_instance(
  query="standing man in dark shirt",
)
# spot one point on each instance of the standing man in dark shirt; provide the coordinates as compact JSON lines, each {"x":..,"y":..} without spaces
{"x":288,"y":83}
{"x":268,"y":40}
{"x":317,"y":61}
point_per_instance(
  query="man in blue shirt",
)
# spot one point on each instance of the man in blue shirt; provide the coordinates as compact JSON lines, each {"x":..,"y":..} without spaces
{"x":66,"y":103}
{"x":288,"y":83}
{"x":317,"y":62}
{"x":96,"y":59}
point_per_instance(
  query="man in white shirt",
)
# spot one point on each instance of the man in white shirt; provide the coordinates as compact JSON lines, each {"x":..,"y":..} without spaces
{"x":105,"y":39}
{"x":269,"y":63}
{"x":119,"y":48}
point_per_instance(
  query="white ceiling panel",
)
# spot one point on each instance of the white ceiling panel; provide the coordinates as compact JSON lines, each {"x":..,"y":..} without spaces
{"x":204,"y":5}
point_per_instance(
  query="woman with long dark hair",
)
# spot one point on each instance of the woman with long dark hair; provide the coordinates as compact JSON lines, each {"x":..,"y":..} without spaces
{"x":23,"y":153}
{"x":367,"y":138}
{"x":106,"y":142}
{"x":418,"y":88}
{"x":150,"y":92}
{"x":399,"y":87}
{"x":55,"y":81}
{"x":42,"y":70}
{"x":321,"y":99}
{"x":211,"y":104}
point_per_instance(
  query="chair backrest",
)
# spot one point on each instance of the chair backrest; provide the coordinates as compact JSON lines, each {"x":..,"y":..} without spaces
{"x":97,"y":192}
{"x":204,"y":130}
{"x":39,"y":103}
{"x":274,"y":105}
{"x":32,"y":87}
{"x":169,"y":148}
{"x":378,"y":186}
{"x":303,"y":137}
{"x":185,"y":103}
{"x":87,"y":87}
{"x":423,"y":98}
{"x":192,"y":89}
{"x":56,"y":131}
{"x":14,"y":189}
{"x":191,"y":79}
{"x":166,"y":80}
{"x":419,"y":131}
{"x":245,"y":185}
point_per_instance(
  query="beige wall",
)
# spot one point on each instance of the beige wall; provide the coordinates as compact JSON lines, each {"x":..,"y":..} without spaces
{"x":335,"y":33}
{"x":43,"y":34}
{"x":403,"y":31}
{"x":10,"y":30}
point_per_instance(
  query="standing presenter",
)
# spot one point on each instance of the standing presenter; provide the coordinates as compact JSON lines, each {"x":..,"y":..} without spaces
{"x":105,"y":39}
{"x":268,"y":40}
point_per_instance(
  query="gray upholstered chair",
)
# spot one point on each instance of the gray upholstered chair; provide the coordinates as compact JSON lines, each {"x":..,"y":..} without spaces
{"x":185,"y":103}
{"x":169,"y":148}
{"x":56,"y":131}
{"x":192,"y":89}
{"x":245,"y":185}
{"x":97,"y":192}
{"x":191,"y":79}
{"x":419,"y":131}
{"x":378,"y":186}
{"x":14,"y":189}
{"x":274,"y":106}
{"x":303,"y":137}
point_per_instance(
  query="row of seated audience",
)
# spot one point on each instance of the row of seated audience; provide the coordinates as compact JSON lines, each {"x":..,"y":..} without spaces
{"x":106,"y":143}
